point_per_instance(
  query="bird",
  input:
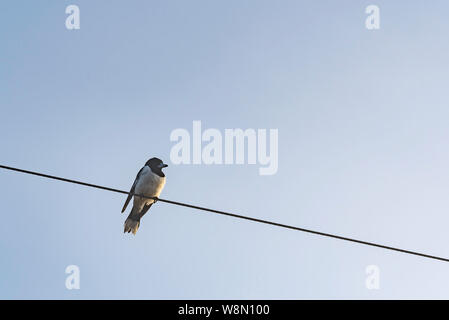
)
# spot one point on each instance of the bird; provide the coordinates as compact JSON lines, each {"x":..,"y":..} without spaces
{"x":149,"y":182}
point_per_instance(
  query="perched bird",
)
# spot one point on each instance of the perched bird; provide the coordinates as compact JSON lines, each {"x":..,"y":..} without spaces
{"x":149,"y":182}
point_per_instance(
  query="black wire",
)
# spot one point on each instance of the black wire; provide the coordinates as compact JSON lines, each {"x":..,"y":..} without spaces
{"x":231,"y":214}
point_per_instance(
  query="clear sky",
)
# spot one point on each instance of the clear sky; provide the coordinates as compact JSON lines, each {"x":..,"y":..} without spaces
{"x":363,"y":147}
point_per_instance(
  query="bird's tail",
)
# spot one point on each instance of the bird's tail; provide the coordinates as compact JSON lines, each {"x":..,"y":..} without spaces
{"x":132,"y":223}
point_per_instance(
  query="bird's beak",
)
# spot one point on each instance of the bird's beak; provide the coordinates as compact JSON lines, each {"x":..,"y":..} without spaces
{"x":164,"y":165}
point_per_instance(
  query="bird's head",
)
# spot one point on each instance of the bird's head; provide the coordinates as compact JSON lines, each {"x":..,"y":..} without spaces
{"x":156,"y":165}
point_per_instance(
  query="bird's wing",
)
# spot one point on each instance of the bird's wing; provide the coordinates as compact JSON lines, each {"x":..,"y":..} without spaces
{"x":131,"y":191}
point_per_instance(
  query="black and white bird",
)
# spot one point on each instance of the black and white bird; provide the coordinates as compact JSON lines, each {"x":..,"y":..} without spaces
{"x":149,"y":182}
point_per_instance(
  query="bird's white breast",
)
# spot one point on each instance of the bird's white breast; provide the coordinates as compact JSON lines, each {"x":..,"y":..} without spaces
{"x":149,"y":184}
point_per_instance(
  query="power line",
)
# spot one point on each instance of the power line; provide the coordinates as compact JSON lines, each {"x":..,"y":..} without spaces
{"x":229,"y":214}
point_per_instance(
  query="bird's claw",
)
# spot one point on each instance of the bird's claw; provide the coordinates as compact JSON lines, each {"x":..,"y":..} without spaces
{"x":155,"y":199}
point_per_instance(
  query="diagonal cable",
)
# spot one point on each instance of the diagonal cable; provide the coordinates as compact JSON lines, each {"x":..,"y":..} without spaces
{"x":323,"y":234}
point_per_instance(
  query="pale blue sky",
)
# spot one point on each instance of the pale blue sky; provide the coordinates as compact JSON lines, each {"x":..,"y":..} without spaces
{"x":363,"y":147}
